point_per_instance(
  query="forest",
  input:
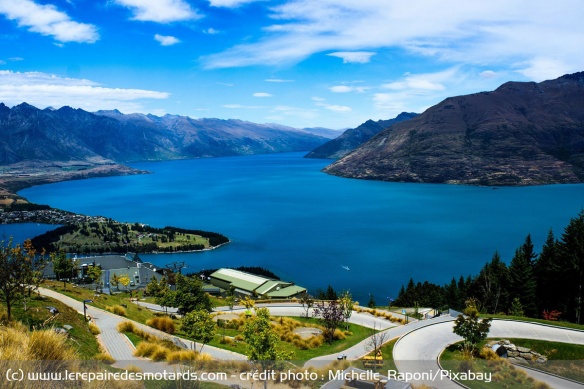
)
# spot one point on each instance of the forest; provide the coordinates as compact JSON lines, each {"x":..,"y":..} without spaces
{"x":547,"y":285}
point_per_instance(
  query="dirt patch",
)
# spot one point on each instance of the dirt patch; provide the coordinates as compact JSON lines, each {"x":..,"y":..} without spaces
{"x":226,"y":316}
{"x":307,"y":332}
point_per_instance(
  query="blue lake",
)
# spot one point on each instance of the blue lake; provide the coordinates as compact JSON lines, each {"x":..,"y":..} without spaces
{"x":283,"y":213}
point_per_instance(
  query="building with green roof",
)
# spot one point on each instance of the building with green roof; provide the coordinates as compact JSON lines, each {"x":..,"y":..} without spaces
{"x":247,"y":284}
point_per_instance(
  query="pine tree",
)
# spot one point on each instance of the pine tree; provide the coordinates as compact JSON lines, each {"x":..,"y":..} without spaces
{"x":571,"y":251}
{"x":523,"y":283}
{"x":491,"y":285}
{"x":547,"y":272}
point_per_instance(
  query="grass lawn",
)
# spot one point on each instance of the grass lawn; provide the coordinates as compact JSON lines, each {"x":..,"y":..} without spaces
{"x":80,"y":338}
{"x":133,"y":311}
{"x":300,"y":356}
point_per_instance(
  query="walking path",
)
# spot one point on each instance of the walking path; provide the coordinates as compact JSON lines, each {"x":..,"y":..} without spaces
{"x":419,"y":350}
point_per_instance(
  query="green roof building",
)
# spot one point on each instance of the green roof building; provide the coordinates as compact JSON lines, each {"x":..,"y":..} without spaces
{"x":247,"y":284}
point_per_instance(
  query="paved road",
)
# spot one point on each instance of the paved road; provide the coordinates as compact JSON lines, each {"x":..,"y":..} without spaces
{"x":418,"y":351}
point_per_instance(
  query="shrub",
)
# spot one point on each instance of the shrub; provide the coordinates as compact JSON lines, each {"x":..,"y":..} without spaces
{"x":160,"y":353}
{"x":164,"y":323}
{"x":180,"y":356}
{"x":338,"y":335}
{"x":94,"y":329}
{"x":226,"y":340}
{"x":488,"y":354}
{"x":145,"y":349}
{"x":105,"y":358}
{"x":126,"y":326}
{"x":117,"y":309}
{"x":49,"y":346}
{"x":133,"y":369}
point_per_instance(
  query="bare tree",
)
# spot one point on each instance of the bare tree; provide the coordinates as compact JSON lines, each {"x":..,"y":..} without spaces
{"x":376,"y":340}
{"x":307,"y":302}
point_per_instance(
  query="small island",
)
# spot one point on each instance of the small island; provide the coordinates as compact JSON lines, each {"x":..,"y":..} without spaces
{"x":81,"y":234}
{"x":101,"y":235}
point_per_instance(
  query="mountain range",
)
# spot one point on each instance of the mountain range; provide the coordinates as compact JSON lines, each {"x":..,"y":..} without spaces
{"x":523,"y":133}
{"x":29,"y":133}
{"x":354,"y":137}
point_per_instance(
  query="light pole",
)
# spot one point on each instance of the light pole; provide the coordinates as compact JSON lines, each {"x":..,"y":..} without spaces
{"x":85,"y":308}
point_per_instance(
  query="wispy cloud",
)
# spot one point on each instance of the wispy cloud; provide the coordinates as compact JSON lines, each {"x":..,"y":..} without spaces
{"x":277,"y":80}
{"x":348,"y":88}
{"x":42,"y":90}
{"x":262,"y":94}
{"x":211,"y":31}
{"x":160,"y":11}
{"x":353,"y":56}
{"x":497,"y":32}
{"x":48,"y":20}
{"x":230,"y":3}
{"x":166,"y":40}
{"x":241,"y":106}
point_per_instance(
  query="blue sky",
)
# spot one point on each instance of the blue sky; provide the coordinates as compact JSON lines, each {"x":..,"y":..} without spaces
{"x":303,"y":63}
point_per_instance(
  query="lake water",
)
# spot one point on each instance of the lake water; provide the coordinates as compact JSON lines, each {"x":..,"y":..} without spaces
{"x":283,"y":214}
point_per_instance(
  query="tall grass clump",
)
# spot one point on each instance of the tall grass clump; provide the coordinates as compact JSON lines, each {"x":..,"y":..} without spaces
{"x":117,"y":309}
{"x":165,"y":324}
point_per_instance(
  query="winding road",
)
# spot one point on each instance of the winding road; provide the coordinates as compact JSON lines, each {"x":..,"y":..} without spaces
{"x":417,"y":350}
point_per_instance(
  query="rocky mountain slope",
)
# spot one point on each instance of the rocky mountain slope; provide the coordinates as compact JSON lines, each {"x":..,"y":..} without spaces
{"x":523,"y":133}
{"x":28,"y":133}
{"x":354,"y":137}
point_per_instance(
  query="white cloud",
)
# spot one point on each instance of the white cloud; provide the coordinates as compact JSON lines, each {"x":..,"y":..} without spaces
{"x":42,"y":90}
{"x":488,"y":74}
{"x":494,"y":33}
{"x":277,"y":80}
{"x":166,"y":40}
{"x":211,"y":31}
{"x":16,"y":59}
{"x":262,"y":94}
{"x":353,"y":56}
{"x":160,"y":11}
{"x":316,"y":98}
{"x":424,"y":82}
{"x":542,"y":68}
{"x":348,"y":88}
{"x":48,"y":20}
{"x":332,"y":107}
{"x":241,"y":106}
{"x":230,"y":3}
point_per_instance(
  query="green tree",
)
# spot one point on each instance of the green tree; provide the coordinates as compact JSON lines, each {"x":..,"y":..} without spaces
{"x":153,"y":288}
{"x":516,"y":308}
{"x":571,"y":250}
{"x":94,"y":272}
{"x":17,"y":268}
{"x":124,"y":280}
{"x":187,"y":296}
{"x":548,"y":271}
{"x":200,"y":326}
{"x":63,"y":266}
{"x":523,"y":283}
{"x":115,"y":281}
{"x":371,"y":303}
{"x":471,"y":329}
{"x":491,"y":286}
{"x":346,"y":304}
{"x":261,"y":341}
